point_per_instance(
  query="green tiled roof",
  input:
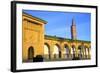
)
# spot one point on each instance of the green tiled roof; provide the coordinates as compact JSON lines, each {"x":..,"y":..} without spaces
{"x":63,"y":39}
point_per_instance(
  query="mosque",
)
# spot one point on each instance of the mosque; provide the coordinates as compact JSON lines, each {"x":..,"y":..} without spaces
{"x":51,"y":48}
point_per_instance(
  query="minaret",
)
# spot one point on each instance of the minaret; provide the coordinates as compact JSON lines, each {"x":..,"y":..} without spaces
{"x":73,"y":30}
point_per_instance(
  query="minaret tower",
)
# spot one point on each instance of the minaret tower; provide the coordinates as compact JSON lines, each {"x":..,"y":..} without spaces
{"x":73,"y":30}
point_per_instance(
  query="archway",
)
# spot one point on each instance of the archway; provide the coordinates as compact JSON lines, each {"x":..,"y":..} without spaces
{"x":46,"y":51}
{"x":67,"y":51}
{"x":80,"y":51}
{"x":86,"y":52}
{"x":30,"y":53}
{"x":57,"y":51}
{"x":73,"y":51}
{"x":89,"y":54}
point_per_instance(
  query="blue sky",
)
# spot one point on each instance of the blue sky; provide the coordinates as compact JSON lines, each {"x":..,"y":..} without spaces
{"x":59,"y":23}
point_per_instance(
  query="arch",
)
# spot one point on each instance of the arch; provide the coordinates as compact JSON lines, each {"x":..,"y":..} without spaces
{"x":57,"y":51}
{"x":67,"y":51}
{"x":86,"y":52}
{"x":73,"y":51}
{"x":46,"y":51}
{"x":89,"y":55}
{"x":80,"y":51}
{"x":30,"y":53}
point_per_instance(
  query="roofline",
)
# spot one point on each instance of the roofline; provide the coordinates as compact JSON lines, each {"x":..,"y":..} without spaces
{"x":63,"y":39}
{"x":38,"y":19}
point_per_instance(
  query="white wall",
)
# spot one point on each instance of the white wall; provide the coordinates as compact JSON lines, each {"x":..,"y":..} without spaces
{"x":5,"y":36}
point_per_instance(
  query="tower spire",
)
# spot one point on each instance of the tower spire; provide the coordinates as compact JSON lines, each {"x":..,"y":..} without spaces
{"x":73,"y":30}
{"x":73,"y":21}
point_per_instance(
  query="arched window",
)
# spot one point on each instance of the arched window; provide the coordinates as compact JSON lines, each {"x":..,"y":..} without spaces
{"x":46,"y":51}
{"x":57,"y":51}
{"x":30,"y":53}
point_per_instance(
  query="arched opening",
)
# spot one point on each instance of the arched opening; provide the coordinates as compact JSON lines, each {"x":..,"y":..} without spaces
{"x":46,"y":51}
{"x":30,"y":53}
{"x":86,"y":52}
{"x":57,"y":51}
{"x":67,"y":51}
{"x":89,"y":54}
{"x":73,"y":51}
{"x":80,"y":51}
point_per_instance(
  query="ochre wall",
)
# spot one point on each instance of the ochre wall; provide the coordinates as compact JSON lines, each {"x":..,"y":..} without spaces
{"x":33,"y":35}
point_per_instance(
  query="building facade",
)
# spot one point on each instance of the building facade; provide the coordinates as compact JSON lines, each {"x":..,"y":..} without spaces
{"x":51,"y":48}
